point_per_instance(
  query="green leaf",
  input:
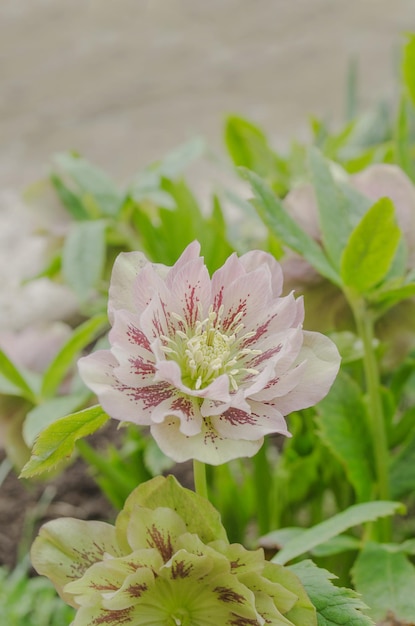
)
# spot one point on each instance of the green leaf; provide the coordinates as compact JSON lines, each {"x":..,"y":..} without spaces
{"x":85,"y":334}
{"x":174,"y":163}
{"x":277,"y":539}
{"x":408,"y":66}
{"x":403,"y":140}
{"x":389,"y":296}
{"x":336,"y":606}
{"x":402,"y":471}
{"x":248,"y":147}
{"x":83,"y":256}
{"x":337,"y":216}
{"x":283,"y":226}
{"x":386,"y":580}
{"x":91,"y":181}
{"x":15,"y":377}
{"x":48,"y":412}
{"x":57,"y":442}
{"x":69,"y":199}
{"x":342,"y":423}
{"x":353,"y":516}
{"x":371,"y":247}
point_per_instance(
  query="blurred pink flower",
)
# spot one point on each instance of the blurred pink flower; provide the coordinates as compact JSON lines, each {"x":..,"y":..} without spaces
{"x":326,"y":307}
{"x":30,"y":235}
{"x":210,"y":364}
{"x":31,"y":350}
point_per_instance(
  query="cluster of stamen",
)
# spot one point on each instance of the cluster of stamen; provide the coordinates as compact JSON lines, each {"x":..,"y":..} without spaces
{"x":205,"y":352}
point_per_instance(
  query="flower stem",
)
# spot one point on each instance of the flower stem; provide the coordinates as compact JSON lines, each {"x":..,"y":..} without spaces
{"x":199,"y":477}
{"x":365,"y":323}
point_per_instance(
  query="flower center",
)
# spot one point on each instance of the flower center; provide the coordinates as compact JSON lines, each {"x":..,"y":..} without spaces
{"x":204,"y":352}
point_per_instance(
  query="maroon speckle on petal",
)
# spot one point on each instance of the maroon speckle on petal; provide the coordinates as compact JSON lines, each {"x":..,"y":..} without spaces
{"x":237,"y":417}
{"x":238,"y":620}
{"x":180,"y":569}
{"x":230,"y":318}
{"x":191,"y":301}
{"x":259,"y":333}
{"x":142,"y":367}
{"x":122,"y":616}
{"x":218,"y":300}
{"x":136,"y":336}
{"x":158,"y":329}
{"x":161,"y":542}
{"x":136,"y":590}
{"x":107,"y":586}
{"x":184,"y":405}
{"x":86,"y":559}
{"x":150,"y":395}
{"x":265,"y":356}
{"x":226,"y":594}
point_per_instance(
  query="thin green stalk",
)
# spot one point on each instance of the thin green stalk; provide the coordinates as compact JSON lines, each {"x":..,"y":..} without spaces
{"x":263,"y":485}
{"x":199,"y":477}
{"x":365,"y":323}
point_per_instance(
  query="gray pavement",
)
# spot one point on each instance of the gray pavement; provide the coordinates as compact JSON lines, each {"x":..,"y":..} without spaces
{"x":124,"y":81}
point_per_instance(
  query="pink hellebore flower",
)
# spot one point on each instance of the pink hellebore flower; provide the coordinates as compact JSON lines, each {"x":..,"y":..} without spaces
{"x":326,"y":307}
{"x":210,"y":364}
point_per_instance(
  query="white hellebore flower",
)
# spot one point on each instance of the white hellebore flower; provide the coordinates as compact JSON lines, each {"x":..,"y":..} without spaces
{"x":210,"y":364}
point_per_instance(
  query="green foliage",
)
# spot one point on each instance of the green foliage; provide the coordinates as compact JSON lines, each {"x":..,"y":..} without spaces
{"x":83,"y":257}
{"x":83,"y":335}
{"x":386,"y":580}
{"x":26,"y":601}
{"x":353,"y":516}
{"x":338,"y":214}
{"x":284,"y":227}
{"x":342,"y":421}
{"x":97,"y":191}
{"x":408,"y":66}
{"x":371,"y":248}
{"x":335,"y":606}
{"x":13,"y":381}
{"x":56,"y":443}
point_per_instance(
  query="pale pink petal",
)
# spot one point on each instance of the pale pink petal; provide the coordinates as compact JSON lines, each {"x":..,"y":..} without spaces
{"x":126,"y":267}
{"x":262,"y":420}
{"x":386,"y":180}
{"x":207,"y":447}
{"x":192,"y":251}
{"x":157,"y":319}
{"x":223,"y":277}
{"x":255,"y":258}
{"x":280,"y":385}
{"x":322,"y":364}
{"x":246,"y":298}
{"x":121,"y":401}
{"x":148,"y":283}
{"x":185,"y":409}
{"x":191,"y":290}
{"x":280,"y":316}
{"x":127,"y":338}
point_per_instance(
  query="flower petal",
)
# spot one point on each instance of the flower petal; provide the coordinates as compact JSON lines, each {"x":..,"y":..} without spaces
{"x":127,"y":267}
{"x":120,"y":400}
{"x":322,"y":362}
{"x":208,"y":446}
{"x":65,"y":548}
{"x":262,"y":420}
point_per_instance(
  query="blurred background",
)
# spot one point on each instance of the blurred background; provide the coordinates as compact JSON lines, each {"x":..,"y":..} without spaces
{"x":123,"y":82}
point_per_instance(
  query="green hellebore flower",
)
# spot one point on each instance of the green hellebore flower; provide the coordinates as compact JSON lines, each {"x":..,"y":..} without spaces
{"x":166,"y":562}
